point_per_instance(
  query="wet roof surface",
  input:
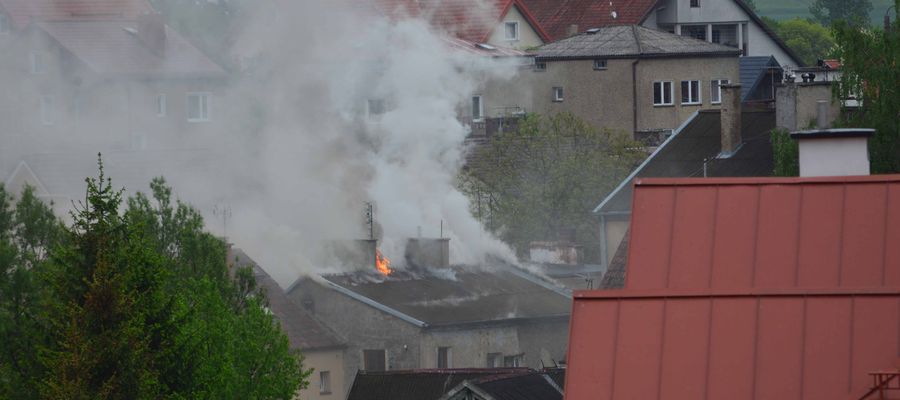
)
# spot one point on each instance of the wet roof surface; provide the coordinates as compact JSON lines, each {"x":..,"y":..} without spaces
{"x":630,"y":41}
{"x":417,"y":384}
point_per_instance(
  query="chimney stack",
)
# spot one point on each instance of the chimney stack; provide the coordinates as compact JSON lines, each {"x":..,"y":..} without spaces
{"x":730,"y":112}
{"x":572,"y":30}
{"x":428,"y":253}
{"x":834,"y":152}
{"x":151,"y":30}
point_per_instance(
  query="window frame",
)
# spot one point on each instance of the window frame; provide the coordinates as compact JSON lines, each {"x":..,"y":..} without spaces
{"x":558,"y":94}
{"x":204,"y":105}
{"x":715,"y":90}
{"x":691,"y":92}
{"x":447,"y":357}
{"x":662,"y":93}
{"x":497,"y":357}
{"x":600,"y":64}
{"x":384,"y":358}
{"x":695,"y":3}
{"x":540,"y":66}
{"x":38,"y":63}
{"x":480,"y":116}
{"x":324,"y":382}
{"x":48,"y":109}
{"x":515,"y":25}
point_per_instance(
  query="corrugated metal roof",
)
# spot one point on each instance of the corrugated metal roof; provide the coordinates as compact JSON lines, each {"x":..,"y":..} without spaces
{"x":758,"y":288}
{"x":630,"y":41}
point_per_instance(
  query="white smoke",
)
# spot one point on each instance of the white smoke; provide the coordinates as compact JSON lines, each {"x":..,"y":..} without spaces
{"x":316,"y":157}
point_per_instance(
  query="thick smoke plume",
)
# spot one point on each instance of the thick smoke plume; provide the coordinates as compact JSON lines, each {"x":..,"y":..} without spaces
{"x":348,"y":107}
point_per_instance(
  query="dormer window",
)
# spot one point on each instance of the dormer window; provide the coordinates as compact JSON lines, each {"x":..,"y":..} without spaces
{"x":511,"y":30}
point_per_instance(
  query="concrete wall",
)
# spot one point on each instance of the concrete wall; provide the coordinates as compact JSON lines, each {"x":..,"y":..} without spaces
{"x":325,"y":360}
{"x":528,"y":37}
{"x":469,"y":347}
{"x":544,"y":343}
{"x":796,"y":105}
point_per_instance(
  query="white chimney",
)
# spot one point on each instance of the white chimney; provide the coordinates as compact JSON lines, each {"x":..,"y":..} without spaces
{"x":834,"y":152}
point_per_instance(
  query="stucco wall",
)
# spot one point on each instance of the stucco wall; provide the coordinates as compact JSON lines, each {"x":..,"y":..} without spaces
{"x":527,"y":35}
{"x":325,"y":360}
{"x":616,"y":227}
{"x":544,"y":343}
{"x":469,"y":347}
{"x":796,"y":105}
{"x":604,"y":97}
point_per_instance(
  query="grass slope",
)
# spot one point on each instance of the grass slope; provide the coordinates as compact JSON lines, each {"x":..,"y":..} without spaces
{"x":786,"y":9}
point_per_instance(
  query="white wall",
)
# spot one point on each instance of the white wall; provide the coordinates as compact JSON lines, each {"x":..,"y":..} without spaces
{"x":528,"y":37}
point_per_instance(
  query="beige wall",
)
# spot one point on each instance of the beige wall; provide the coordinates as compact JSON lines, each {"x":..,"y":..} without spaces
{"x":604,"y":97}
{"x":615,"y":232}
{"x":527,"y":36}
{"x":325,"y":360}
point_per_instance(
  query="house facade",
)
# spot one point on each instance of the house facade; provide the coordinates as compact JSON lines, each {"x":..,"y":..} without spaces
{"x":440,"y":317}
{"x":631,"y":78}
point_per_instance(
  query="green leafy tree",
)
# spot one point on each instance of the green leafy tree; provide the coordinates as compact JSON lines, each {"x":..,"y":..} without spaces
{"x":871,"y":73}
{"x":855,"y":12}
{"x":785,"y":153}
{"x":810,"y":40}
{"x":545,"y":178}
{"x":131,"y":305}
{"x":28,"y":231}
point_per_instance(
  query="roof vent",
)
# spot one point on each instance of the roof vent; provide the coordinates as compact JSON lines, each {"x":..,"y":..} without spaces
{"x":485,"y":46}
{"x":614,"y":15}
{"x":130,"y":30}
{"x":592,"y":31}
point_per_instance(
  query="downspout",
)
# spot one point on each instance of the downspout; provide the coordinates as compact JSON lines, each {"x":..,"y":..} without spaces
{"x":634,"y":107}
{"x":604,"y":250}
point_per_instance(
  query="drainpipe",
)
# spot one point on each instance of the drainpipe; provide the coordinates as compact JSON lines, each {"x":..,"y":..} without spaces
{"x":634,"y":64}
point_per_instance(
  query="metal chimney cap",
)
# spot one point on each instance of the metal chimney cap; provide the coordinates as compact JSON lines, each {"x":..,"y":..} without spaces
{"x":833,"y":133}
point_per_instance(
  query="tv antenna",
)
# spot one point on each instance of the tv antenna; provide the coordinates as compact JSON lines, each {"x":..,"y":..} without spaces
{"x":223,"y":212}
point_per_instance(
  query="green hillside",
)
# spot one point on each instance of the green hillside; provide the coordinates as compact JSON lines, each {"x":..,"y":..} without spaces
{"x":786,"y":9}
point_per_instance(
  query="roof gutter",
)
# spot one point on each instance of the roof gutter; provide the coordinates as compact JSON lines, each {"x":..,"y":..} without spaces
{"x":375,"y":304}
{"x":644,"y":164}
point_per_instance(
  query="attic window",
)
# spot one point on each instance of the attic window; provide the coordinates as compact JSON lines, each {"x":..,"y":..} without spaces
{"x":592,"y":31}
{"x":511,"y":31}
{"x":485,"y":46}
{"x":130,"y":30}
{"x":599,"y":64}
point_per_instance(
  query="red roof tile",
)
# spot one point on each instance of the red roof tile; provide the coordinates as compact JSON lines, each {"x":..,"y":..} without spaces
{"x":106,"y":47}
{"x":23,"y":11}
{"x":555,"y":16}
{"x":747,"y":289}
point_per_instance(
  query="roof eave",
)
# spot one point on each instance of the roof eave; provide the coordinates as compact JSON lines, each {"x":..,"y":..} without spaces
{"x":641,"y":56}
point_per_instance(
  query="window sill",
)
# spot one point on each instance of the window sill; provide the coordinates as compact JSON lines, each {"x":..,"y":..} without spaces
{"x":715,"y":103}
{"x":664,"y":105}
{"x":691,"y":104}
{"x":557,"y":100}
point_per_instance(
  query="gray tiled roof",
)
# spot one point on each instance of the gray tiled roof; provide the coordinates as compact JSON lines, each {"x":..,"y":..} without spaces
{"x":629,"y":41}
{"x":753,"y":68}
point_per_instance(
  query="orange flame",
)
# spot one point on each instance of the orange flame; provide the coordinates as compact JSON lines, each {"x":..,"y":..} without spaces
{"x":382,"y":263}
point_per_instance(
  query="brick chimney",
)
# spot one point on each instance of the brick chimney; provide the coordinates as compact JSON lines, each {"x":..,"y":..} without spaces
{"x":151,"y":30}
{"x":834,"y":152}
{"x":731,"y":119}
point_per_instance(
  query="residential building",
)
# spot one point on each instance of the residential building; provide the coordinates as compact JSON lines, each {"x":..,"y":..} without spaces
{"x":710,"y":143}
{"x":631,"y":78}
{"x":750,"y":288}
{"x":459,"y":383}
{"x":434,"y":315}
{"x":322,"y":350}
{"x":501,"y":23}
{"x":728,"y":22}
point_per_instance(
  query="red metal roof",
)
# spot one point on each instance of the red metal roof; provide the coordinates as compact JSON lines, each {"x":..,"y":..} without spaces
{"x":555,"y":16}
{"x":22,"y":11}
{"x":470,"y":20}
{"x":760,"y":288}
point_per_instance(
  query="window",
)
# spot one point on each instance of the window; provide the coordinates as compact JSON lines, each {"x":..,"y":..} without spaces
{"x":324,"y":382}
{"x":443,"y":357}
{"x":557,"y":94}
{"x":695,"y":3}
{"x":198,"y":107}
{"x":690,"y":92}
{"x":494,"y":360}
{"x":4,"y":24}
{"x":599,"y":64}
{"x":715,"y":90}
{"x":694,"y":31}
{"x":512,"y":361}
{"x":161,"y":105}
{"x":375,"y":108}
{"x":38,"y":63}
{"x":48,"y":110}
{"x":511,"y":30}
{"x":477,"y":108}
{"x":373,"y":360}
{"x":540,"y":66}
{"x":662,"y":93}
